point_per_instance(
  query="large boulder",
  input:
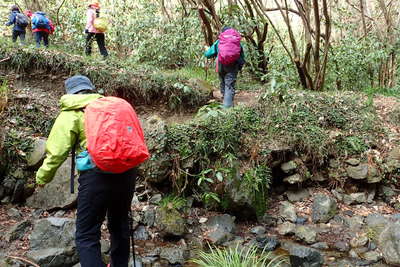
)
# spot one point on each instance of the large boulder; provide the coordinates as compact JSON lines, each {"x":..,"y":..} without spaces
{"x":157,"y":168}
{"x":389,"y":243}
{"x":244,"y":202}
{"x":218,"y":229}
{"x":375,"y":224}
{"x":323,"y":209}
{"x":357,"y":172}
{"x":57,"y":193}
{"x":38,"y":153}
{"x":287,"y":211}
{"x":170,"y":222}
{"x":52,"y":242}
{"x":174,"y":255}
{"x":301,"y":256}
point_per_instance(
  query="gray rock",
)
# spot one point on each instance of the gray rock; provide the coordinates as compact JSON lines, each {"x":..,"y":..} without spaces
{"x":341,"y":246}
{"x":374,"y":176}
{"x":141,"y":233}
{"x":286,"y":228}
{"x":224,"y":221}
{"x":318,"y":178}
{"x":54,"y":257}
{"x":295,"y":179}
{"x":354,"y":222}
{"x":149,"y":217}
{"x":320,"y":245}
{"x":59,"y":213}
{"x":242,"y":201}
{"x":306,"y":234}
{"x":358,"y":241}
{"x":17,"y":231}
{"x":353,"y":162}
{"x":353,"y":254}
{"x":218,"y":229}
{"x":268,"y":220}
{"x":357,"y":172}
{"x":372,"y":256}
{"x":38,"y":153}
{"x":355,"y":198}
{"x":14,"y":213}
{"x":323,"y":209}
{"x":287,"y":211}
{"x":389,"y":243}
{"x":301,"y":256}
{"x":338,"y":194}
{"x":156,"y":169}
{"x":155,"y":199}
{"x":57,"y":193}
{"x":52,"y":233}
{"x":170,"y":222}
{"x":298,"y":195}
{"x":258,"y":230}
{"x":174,"y":254}
{"x":9,"y":185}
{"x":289,"y":167}
{"x":375,"y":224}
{"x":267,"y":243}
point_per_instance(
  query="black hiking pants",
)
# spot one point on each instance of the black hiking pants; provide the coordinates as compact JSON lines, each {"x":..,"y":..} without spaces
{"x":227,"y":77}
{"x":101,"y":194}
{"x":100,"y":39}
{"x":20,"y":34}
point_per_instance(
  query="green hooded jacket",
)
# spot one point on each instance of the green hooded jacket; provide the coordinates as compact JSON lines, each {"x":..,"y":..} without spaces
{"x":68,"y":126}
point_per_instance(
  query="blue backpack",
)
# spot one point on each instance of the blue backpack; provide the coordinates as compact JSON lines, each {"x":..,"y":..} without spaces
{"x":41,"y":22}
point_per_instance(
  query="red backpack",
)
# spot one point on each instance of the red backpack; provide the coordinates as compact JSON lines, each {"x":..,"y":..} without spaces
{"x":114,"y":136}
{"x":229,"y":46}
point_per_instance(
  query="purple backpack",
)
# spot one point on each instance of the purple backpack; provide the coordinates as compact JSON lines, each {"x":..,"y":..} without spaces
{"x":229,"y":46}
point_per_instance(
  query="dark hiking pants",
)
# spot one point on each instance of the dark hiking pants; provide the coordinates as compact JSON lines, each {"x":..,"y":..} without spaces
{"x":100,"y":39}
{"x":227,"y":76}
{"x":21,"y":35}
{"x":39,"y":36}
{"x":101,"y":194}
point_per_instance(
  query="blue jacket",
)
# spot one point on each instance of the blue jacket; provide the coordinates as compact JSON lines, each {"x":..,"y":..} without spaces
{"x":35,"y":19}
{"x":12,"y":20}
{"x":213,"y":52}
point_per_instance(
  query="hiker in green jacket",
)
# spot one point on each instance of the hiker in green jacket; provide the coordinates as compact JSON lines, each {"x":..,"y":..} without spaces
{"x":99,"y":193}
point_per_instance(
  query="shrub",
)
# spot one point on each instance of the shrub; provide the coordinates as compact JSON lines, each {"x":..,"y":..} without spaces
{"x":238,"y":257}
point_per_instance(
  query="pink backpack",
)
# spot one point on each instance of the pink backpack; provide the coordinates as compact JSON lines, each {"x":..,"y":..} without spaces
{"x":229,"y":46}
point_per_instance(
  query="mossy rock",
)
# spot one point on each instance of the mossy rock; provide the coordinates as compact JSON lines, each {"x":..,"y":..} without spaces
{"x":170,"y":222}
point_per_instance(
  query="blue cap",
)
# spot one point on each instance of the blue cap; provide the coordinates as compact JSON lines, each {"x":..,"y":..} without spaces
{"x":78,"y":83}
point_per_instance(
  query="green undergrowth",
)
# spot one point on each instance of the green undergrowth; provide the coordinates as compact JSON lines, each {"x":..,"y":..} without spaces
{"x":220,"y":147}
{"x":239,"y":257}
{"x":139,"y":84}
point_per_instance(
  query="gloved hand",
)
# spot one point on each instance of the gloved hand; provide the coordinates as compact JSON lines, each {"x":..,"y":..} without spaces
{"x":86,"y":31}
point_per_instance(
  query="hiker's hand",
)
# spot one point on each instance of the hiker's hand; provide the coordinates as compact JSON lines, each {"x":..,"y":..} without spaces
{"x":86,"y":31}
{"x":206,"y":47}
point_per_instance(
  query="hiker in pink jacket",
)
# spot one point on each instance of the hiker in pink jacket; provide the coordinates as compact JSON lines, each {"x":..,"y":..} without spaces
{"x":92,"y":33}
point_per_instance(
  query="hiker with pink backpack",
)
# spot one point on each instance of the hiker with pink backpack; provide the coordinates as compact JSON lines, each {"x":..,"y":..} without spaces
{"x":230,"y":60}
{"x":108,"y":135}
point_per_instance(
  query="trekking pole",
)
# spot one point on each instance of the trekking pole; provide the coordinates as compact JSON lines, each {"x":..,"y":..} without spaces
{"x":73,"y":167}
{"x":132,"y":237}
